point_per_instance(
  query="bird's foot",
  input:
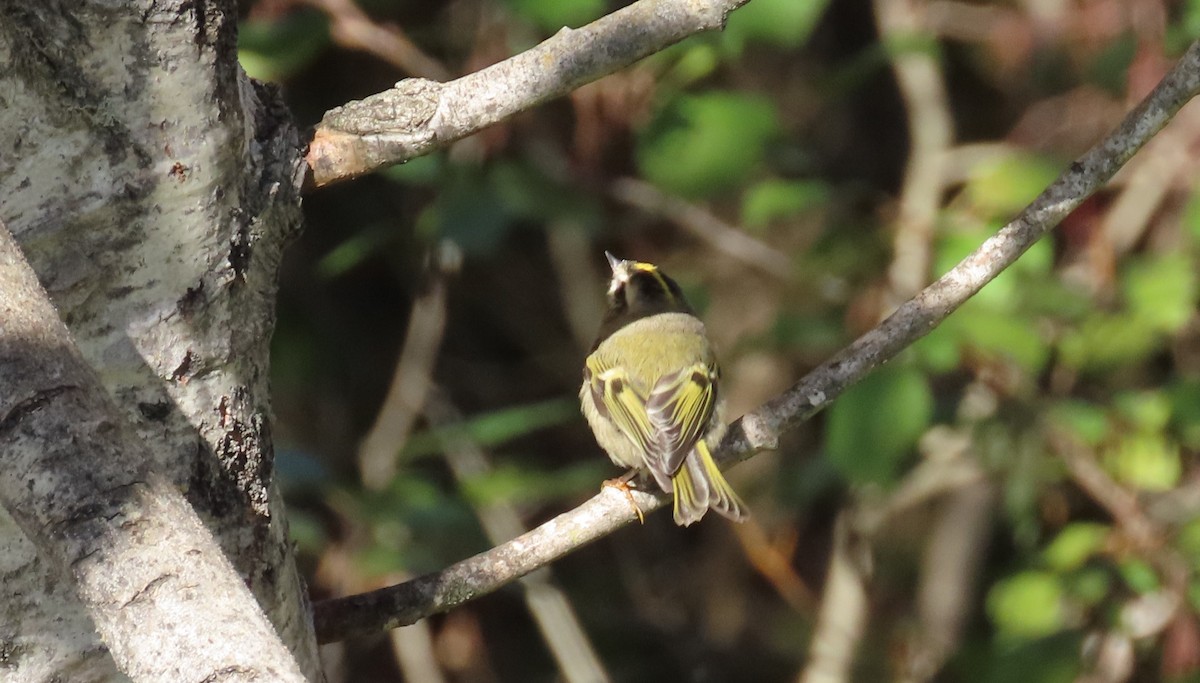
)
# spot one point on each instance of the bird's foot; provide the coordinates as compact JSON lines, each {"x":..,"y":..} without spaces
{"x":621,"y":484}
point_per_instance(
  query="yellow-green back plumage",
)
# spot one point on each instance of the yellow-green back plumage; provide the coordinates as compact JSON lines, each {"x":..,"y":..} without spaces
{"x":651,"y":395}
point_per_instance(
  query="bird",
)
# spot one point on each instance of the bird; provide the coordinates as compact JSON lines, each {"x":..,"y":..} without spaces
{"x":651,"y":393}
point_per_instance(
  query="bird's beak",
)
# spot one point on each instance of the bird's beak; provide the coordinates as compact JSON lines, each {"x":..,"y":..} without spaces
{"x":613,"y":261}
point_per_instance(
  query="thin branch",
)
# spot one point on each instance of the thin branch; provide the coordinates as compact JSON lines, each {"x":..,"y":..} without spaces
{"x":760,"y":429}
{"x":352,"y":28}
{"x":418,"y":116}
{"x":843,"y":615}
{"x":718,"y":234}
{"x":930,"y":133}
{"x":1167,"y":159}
{"x":773,"y":565}
{"x":412,"y":378}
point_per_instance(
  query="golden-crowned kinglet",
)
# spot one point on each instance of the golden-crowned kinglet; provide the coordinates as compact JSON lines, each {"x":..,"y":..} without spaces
{"x":650,"y":391}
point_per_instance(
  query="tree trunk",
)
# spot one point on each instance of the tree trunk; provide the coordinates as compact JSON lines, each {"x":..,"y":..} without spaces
{"x":152,"y":187}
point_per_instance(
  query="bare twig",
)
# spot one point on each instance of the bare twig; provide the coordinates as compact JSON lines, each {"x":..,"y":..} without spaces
{"x":413,"y":647}
{"x":418,"y":115}
{"x":930,"y":134}
{"x":773,"y":565}
{"x":1165,"y":162}
{"x":843,"y":613}
{"x":718,"y":234}
{"x":352,"y":28}
{"x":1120,"y":503}
{"x":571,"y":254}
{"x":949,"y":574}
{"x":761,"y":428}
{"x":412,"y":378}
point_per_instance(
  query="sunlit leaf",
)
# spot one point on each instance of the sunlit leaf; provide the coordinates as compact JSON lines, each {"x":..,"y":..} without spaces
{"x":1027,"y":605}
{"x":1003,"y":186}
{"x":1161,"y":291}
{"x":1102,"y":342}
{"x":1146,"y":461}
{"x":1148,"y":411}
{"x":1075,"y":545}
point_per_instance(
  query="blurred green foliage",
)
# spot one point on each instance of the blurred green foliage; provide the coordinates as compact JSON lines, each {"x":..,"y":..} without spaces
{"x":788,"y":125}
{"x":699,"y":145}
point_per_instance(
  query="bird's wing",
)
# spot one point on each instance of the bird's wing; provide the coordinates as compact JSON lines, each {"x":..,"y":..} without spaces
{"x":623,"y":403}
{"x":665,"y":424}
{"x":680,"y":407}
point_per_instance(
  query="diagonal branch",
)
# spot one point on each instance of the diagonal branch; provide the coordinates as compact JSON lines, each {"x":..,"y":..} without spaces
{"x":405,"y":603}
{"x":418,"y":115}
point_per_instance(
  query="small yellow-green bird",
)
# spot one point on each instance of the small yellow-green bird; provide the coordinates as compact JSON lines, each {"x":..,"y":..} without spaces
{"x":650,"y":391}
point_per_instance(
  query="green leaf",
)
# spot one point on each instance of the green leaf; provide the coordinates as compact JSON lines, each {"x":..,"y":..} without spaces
{"x":1148,"y":411}
{"x":1146,"y":461}
{"x":1160,"y":291}
{"x":1185,"y":409}
{"x":1027,"y":605}
{"x":346,"y":256}
{"x":1004,"y":336}
{"x":498,"y":427}
{"x":877,"y":422}
{"x":528,"y":193}
{"x":1188,"y":542}
{"x":515,"y":484}
{"x":1002,"y":187}
{"x":272,"y":50}
{"x":1045,"y":660}
{"x":772,"y":200}
{"x":1085,"y":420}
{"x":939,"y":351}
{"x":780,"y":23}
{"x":1075,"y":545}
{"x":1110,"y":67}
{"x":1090,"y":585}
{"x":1139,"y":575}
{"x":703,"y":144}
{"x":1104,"y":342}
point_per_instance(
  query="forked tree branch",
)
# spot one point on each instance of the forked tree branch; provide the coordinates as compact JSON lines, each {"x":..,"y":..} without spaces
{"x":405,"y":603}
{"x":418,"y":115}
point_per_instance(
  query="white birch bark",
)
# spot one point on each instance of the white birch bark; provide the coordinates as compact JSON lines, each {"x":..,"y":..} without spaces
{"x":152,"y":187}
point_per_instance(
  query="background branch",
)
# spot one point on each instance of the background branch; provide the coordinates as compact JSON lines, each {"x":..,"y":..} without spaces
{"x":760,"y":429}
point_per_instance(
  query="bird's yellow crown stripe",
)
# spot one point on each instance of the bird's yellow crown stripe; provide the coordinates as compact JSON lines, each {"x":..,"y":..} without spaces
{"x":653,"y":270}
